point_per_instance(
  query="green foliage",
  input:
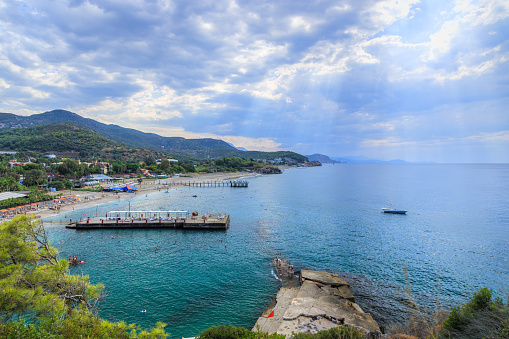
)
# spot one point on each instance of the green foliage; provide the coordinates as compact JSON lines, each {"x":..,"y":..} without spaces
{"x":218,"y":153}
{"x":18,"y":329}
{"x":58,"y":137}
{"x":132,"y":167}
{"x":164,"y":165}
{"x":36,"y":287}
{"x":149,"y":160}
{"x":10,"y":184}
{"x":188,"y":167}
{"x":480,"y":301}
{"x":34,"y":284}
{"x":232,"y":332}
{"x":228,"y":164}
{"x":34,"y":196}
{"x":61,"y":184}
{"x":34,"y":177}
{"x":481,"y":317}
{"x":342,"y":332}
{"x":73,"y":169}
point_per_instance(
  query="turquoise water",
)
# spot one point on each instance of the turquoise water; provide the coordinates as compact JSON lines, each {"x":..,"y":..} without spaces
{"x":454,"y":236}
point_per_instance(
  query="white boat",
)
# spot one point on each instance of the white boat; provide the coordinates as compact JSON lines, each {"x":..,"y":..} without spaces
{"x":393,"y":210}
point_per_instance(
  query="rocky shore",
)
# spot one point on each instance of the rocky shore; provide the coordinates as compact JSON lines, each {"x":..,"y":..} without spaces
{"x":312,"y":301}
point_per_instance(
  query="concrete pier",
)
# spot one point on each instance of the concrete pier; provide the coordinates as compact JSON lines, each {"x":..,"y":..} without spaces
{"x":200,"y":222}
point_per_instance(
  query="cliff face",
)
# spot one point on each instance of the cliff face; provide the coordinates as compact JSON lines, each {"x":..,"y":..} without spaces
{"x":322,"y":301}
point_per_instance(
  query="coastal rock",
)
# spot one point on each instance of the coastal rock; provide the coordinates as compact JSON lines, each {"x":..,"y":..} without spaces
{"x":313,"y":163}
{"x":325,"y":278}
{"x":269,"y":170}
{"x":322,"y":301}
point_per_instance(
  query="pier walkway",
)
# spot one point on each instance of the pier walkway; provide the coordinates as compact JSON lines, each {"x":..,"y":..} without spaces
{"x":234,"y":183}
{"x":160,"y":219}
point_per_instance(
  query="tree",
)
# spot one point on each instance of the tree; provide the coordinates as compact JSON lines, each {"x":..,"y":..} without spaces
{"x":164,"y":165}
{"x":10,"y":184}
{"x":37,"y":288}
{"x":132,"y":167}
{"x":34,"y":177}
{"x":34,"y":284}
{"x":71,"y":168}
{"x":149,"y":160}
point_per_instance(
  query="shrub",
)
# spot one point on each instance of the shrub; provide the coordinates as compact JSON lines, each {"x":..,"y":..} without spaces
{"x":342,"y":332}
{"x":481,"y":317}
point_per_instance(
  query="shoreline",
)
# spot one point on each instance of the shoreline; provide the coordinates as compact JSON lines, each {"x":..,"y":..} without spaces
{"x":87,"y":198}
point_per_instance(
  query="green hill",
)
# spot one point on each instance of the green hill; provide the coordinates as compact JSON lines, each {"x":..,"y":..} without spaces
{"x":66,"y":140}
{"x":128,"y":136}
{"x":194,"y":148}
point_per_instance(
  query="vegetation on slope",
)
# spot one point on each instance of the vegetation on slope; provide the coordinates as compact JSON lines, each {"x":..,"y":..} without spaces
{"x":128,"y":136}
{"x":60,"y":137}
{"x":194,"y":148}
{"x":67,"y":140}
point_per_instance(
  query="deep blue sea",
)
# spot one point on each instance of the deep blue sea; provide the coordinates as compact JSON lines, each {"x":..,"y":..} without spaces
{"x":453,"y":241}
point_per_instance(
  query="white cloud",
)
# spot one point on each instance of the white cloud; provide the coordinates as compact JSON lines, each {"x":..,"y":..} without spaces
{"x":494,"y":137}
{"x":440,"y":42}
{"x":483,"y":12}
{"x":368,"y":70}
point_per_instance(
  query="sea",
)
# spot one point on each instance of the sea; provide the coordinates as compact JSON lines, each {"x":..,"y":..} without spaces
{"x":453,"y":241}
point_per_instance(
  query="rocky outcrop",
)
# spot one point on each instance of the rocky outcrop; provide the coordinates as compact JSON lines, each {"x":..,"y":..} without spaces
{"x":313,"y":163}
{"x":269,"y":170}
{"x":322,"y":300}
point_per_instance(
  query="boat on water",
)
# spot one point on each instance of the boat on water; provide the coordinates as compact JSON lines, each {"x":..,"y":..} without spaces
{"x":393,"y":210}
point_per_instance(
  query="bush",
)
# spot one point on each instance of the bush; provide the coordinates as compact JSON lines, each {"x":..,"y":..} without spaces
{"x":342,"y":332}
{"x":18,"y":329}
{"x":232,"y":332}
{"x":481,"y":317}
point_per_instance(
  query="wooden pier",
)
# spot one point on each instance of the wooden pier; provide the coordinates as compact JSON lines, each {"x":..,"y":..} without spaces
{"x":135,"y":220}
{"x":236,"y":183}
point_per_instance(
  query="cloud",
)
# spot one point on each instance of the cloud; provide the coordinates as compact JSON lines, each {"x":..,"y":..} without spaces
{"x":319,"y":76}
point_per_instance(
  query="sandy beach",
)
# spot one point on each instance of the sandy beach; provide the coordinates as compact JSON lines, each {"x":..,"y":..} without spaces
{"x":87,"y":199}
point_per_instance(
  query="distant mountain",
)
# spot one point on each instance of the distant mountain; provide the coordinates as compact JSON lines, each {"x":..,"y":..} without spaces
{"x":198,"y":148}
{"x":364,"y":160}
{"x":66,"y":140}
{"x":324,"y":159}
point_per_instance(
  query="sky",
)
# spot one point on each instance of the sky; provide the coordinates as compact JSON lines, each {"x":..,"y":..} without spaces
{"x":407,"y":79}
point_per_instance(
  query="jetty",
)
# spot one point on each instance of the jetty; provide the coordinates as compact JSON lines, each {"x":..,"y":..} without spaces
{"x":154,"y":219}
{"x":231,"y":183}
{"x":312,"y":301}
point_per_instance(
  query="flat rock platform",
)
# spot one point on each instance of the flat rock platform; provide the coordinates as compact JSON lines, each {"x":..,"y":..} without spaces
{"x":319,"y":302}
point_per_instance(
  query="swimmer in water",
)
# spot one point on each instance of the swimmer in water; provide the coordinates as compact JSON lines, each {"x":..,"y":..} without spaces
{"x":156,"y":249}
